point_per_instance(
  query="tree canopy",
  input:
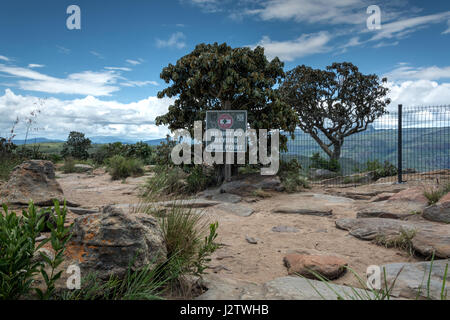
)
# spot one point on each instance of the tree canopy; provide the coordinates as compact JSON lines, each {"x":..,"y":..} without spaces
{"x":338,"y":102}
{"x":215,"y":77}
{"x":76,"y":146}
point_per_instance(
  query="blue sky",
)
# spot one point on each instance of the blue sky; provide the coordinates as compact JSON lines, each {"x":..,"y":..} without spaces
{"x":103,"y":79}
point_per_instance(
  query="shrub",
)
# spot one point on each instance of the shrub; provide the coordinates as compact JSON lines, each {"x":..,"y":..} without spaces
{"x":290,"y":175}
{"x":120,"y":167}
{"x":163,"y":151}
{"x":381,"y":170}
{"x":69,"y":165}
{"x":7,"y":164}
{"x":401,"y":241}
{"x":76,"y":146}
{"x":198,"y":179}
{"x":189,"y":238}
{"x":318,"y":162}
{"x":18,"y":246}
{"x":435,"y":194}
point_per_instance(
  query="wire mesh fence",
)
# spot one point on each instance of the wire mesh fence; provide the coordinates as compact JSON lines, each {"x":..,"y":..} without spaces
{"x":411,"y":143}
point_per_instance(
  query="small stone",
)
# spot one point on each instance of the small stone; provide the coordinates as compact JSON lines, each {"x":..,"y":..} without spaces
{"x":329,"y":267}
{"x":251,"y":240}
{"x":285,"y":229}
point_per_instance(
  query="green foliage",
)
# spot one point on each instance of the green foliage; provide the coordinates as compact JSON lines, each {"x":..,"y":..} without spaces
{"x":339,"y":101}
{"x":435,"y":194}
{"x":401,"y":241}
{"x":146,"y":283}
{"x":7,"y":164}
{"x":318,"y":162}
{"x":291,"y":177}
{"x":59,"y":237}
{"x":18,"y":246}
{"x":77,"y":146}
{"x":163,"y":150}
{"x":140,"y":150}
{"x":198,"y":179}
{"x":120,"y":167}
{"x":381,"y":170}
{"x":214,"y":77}
{"x":189,"y":239}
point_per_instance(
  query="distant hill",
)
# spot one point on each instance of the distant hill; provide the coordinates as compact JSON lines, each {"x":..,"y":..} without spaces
{"x":35,"y":140}
{"x":155,"y":142}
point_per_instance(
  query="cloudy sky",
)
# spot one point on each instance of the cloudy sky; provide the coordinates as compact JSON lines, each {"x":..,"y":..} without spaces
{"x":103,"y":79}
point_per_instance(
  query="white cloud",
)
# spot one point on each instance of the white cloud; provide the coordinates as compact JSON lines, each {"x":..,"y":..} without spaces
{"x":405,"y":72}
{"x":98,"y":55}
{"x":84,"y":83}
{"x":90,"y":115}
{"x":419,"y":93}
{"x":118,"y":68}
{"x":402,"y":28}
{"x":139,"y":83}
{"x":313,"y":11}
{"x":207,"y":5}
{"x":133,"y":62}
{"x":292,"y":49}
{"x":62,"y":49}
{"x":4,"y":58}
{"x":35,"y":65}
{"x":448,"y":30}
{"x":176,"y":40}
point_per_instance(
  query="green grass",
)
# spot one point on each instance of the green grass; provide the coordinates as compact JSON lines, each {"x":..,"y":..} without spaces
{"x":402,"y":241}
{"x":435,"y":194}
{"x":121,"y":168}
{"x":6,"y":166}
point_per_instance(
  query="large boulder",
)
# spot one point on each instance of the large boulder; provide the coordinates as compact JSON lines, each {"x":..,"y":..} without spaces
{"x":32,"y":180}
{"x":439,"y":212}
{"x":428,"y":237}
{"x":329,"y":267}
{"x":106,"y":243}
{"x":319,"y":174}
{"x":389,"y":209}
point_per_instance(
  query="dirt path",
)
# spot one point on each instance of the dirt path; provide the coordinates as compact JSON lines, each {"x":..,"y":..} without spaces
{"x":263,"y":261}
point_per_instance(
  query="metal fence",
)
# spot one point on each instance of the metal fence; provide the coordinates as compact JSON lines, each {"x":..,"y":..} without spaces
{"x":411,"y":143}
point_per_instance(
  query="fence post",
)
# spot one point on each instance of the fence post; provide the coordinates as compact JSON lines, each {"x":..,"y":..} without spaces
{"x":399,"y":147}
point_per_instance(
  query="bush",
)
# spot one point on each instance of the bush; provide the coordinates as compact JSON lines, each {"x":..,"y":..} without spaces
{"x":291,"y":177}
{"x":76,"y":146}
{"x":18,"y":247}
{"x":120,"y":167}
{"x":318,"y":162}
{"x":189,"y":239}
{"x":381,"y":170}
{"x":7,"y":164}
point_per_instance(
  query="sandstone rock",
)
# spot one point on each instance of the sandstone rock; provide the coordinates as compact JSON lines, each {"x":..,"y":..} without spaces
{"x":429,"y":236}
{"x":445,"y":198}
{"x":32,"y":180}
{"x":237,"y":209}
{"x":303,"y":211}
{"x":81,"y":211}
{"x":414,"y":194}
{"x":251,"y":240}
{"x":83,"y":167}
{"x":412,"y":281}
{"x":107,"y":242}
{"x":439,"y":212}
{"x":285,"y":229}
{"x":306,"y":265}
{"x":284,"y":288}
{"x":226,"y":197}
{"x":382,"y":197}
{"x":249,"y":183}
{"x":389,"y":209}
{"x":319,"y":174}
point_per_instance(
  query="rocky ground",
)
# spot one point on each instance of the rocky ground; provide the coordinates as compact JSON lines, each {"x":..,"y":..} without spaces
{"x":268,"y":236}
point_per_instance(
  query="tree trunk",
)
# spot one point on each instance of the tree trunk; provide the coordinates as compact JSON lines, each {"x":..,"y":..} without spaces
{"x":336,"y":152}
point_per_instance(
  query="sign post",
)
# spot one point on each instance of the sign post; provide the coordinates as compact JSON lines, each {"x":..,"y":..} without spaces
{"x":224,"y":120}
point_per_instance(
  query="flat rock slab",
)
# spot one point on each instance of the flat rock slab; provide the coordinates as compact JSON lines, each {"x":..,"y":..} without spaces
{"x":226,"y":197}
{"x":190,"y":203}
{"x":415,"y":194}
{"x":284,"y":288}
{"x":307,"y":266}
{"x":301,"y":211}
{"x":390,"y":209}
{"x":429,"y":236}
{"x":237,"y":209}
{"x":412,"y":281}
{"x":249,"y":183}
{"x":439,"y":212}
{"x":82,"y":211}
{"x":285,"y":229}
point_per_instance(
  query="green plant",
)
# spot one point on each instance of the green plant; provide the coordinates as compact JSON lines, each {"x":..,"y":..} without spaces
{"x":318,"y":162}
{"x":198,"y":179}
{"x":290,"y":175}
{"x":189,"y":238}
{"x":7,"y":164}
{"x":379,"y":170}
{"x":69,"y":165}
{"x":120,"y":167}
{"x":77,"y":146}
{"x":435,"y":194}
{"x":402,"y":241}
{"x":59,"y":237}
{"x":18,"y":249}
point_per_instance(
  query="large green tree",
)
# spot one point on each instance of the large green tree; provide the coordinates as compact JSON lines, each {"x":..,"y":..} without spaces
{"x":76,"y":146}
{"x":337,"y":102}
{"x":214,"y":77}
